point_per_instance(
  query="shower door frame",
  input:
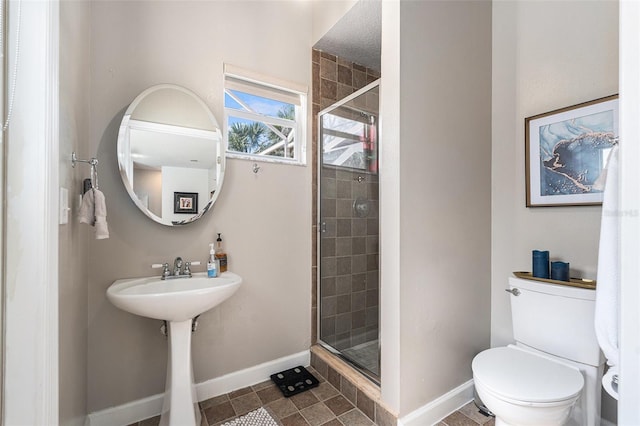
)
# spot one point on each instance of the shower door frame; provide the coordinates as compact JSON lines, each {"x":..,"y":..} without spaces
{"x":369,"y":375}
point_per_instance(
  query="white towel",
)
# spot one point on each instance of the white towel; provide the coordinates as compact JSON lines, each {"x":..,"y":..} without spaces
{"x":86,"y":214}
{"x":607,"y":304}
{"x":94,"y":212}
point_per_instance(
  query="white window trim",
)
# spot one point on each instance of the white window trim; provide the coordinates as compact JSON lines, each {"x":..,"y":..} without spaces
{"x":299,"y":126}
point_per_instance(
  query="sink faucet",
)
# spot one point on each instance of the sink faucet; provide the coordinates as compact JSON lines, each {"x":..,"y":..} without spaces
{"x":177,"y":266}
{"x":178,"y":271}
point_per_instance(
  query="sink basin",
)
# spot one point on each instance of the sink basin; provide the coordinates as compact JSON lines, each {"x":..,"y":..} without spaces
{"x":178,"y":299}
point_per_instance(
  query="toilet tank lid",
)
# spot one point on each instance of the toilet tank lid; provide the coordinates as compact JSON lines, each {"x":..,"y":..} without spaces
{"x":554,"y":289}
{"x":522,"y":376}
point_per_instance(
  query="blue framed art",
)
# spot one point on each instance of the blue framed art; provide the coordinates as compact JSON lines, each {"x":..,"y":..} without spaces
{"x":566,"y":151}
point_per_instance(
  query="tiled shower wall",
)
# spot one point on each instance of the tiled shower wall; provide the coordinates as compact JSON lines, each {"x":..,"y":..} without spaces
{"x":350,"y":245}
{"x":349,"y":262}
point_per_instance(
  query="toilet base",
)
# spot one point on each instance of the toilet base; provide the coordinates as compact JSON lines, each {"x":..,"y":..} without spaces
{"x":500,"y":422}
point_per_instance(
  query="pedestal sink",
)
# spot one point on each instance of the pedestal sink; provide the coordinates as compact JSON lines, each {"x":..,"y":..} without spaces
{"x":177,"y":301}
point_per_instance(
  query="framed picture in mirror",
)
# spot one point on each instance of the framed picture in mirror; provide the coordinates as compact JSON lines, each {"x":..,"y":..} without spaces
{"x":185,"y":202}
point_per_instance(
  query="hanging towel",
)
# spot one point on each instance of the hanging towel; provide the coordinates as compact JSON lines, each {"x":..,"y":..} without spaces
{"x":93,"y":211}
{"x":607,"y":304}
{"x":86,"y":214}
{"x":100,"y":208}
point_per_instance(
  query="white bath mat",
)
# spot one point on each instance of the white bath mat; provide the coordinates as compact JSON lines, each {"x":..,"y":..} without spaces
{"x":259,"y":417}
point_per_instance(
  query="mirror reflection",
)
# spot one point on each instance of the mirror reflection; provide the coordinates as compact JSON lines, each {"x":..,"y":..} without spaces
{"x":170,"y":155}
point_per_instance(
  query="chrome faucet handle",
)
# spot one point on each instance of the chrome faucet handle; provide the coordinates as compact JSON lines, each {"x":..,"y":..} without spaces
{"x":187,"y":267}
{"x":165,"y":268}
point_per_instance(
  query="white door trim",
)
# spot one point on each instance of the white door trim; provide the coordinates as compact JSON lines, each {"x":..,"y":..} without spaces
{"x":629,"y":389}
{"x":31,"y":238}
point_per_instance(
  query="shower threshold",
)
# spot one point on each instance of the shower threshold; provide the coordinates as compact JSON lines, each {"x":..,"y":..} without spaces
{"x":360,"y":358}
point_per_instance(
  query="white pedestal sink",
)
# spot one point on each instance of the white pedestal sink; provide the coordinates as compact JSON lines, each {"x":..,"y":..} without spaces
{"x":177,"y":301}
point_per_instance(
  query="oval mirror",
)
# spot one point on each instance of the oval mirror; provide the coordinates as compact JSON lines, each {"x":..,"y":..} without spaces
{"x":170,"y":155}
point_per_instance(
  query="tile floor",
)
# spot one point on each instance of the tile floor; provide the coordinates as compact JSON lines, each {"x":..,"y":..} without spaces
{"x":320,"y":406}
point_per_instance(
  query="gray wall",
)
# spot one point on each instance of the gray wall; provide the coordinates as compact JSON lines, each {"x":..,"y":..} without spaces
{"x":265,"y":218}
{"x":73,"y":243}
{"x":540,"y":64}
{"x":435,"y":200}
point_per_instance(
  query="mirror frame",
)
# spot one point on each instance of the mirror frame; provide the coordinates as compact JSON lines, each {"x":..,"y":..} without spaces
{"x":220,"y":160}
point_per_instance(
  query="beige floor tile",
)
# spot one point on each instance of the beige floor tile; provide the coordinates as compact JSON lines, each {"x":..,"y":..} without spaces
{"x":459,"y":419}
{"x":324,"y":391}
{"x":304,"y":400}
{"x":214,"y":401}
{"x":263,"y":385}
{"x":269,"y":394}
{"x":339,"y":405}
{"x":240,"y":392}
{"x":245,"y":403}
{"x":282,"y":408}
{"x":470,"y":410}
{"x":294,"y":420}
{"x":219,"y":413}
{"x":355,"y":418}
{"x":317,"y":414}
{"x":334,"y":422}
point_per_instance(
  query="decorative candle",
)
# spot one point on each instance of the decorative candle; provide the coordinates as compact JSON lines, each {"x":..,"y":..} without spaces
{"x":560,"y":271}
{"x":540,"y":263}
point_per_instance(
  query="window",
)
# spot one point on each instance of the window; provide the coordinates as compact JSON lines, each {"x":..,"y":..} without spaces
{"x":264,"y":119}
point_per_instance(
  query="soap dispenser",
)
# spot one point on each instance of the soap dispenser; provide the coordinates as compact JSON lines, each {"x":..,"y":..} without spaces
{"x":221,"y":255}
{"x":212,"y":270}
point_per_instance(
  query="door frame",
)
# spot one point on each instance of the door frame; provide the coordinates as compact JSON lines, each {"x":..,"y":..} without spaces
{"x":31,"y":217}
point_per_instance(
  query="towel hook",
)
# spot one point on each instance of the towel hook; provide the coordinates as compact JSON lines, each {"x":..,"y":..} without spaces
{"x":94,"y":170}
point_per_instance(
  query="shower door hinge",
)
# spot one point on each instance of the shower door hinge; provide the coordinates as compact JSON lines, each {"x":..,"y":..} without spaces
{"x":323,"y":226}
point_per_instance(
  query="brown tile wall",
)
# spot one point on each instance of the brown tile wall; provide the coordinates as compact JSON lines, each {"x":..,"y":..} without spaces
{"x":350,"y":267}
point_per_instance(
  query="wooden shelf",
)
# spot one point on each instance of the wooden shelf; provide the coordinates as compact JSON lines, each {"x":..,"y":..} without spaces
{"x":573,"y":282}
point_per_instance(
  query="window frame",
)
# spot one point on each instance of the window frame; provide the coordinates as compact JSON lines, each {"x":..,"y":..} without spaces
{"x":256,"y":84}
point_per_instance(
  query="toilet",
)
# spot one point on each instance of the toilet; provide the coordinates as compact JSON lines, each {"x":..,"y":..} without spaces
{"x":551,"y":375}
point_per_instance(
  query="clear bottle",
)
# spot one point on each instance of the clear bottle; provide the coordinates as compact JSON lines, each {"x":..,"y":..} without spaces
{"x":221,"y":255}
{"x":212,"y":270}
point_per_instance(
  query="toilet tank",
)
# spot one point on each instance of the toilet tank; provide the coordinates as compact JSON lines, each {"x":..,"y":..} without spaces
{"x":555,"y":319}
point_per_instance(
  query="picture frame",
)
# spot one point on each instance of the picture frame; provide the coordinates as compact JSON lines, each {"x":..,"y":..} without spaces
{"x":566,"y":151}
{"x":185,"y":202}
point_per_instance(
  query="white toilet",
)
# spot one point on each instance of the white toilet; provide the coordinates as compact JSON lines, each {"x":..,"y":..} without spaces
{"x":552,"y":375}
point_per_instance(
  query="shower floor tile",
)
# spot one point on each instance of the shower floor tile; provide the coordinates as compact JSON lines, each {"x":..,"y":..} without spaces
{"x":365,"y":355}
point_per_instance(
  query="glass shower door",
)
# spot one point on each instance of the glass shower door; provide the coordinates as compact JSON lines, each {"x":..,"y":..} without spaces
{"x":349,"y":247}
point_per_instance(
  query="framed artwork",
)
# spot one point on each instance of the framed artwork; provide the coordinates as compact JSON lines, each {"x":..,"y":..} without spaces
{"x":185,"y":202}
{"x":566,"y":151}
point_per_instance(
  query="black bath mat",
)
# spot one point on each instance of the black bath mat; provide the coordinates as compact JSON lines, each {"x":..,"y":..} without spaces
{"x":294,"y":381}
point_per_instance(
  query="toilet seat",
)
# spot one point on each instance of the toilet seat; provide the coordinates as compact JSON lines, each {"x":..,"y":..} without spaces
{"x":524,"y":378}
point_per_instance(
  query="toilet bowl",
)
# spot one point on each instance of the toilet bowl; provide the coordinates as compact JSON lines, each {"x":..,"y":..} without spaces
{"x":552,"y":374}
{"x":523,"y":388}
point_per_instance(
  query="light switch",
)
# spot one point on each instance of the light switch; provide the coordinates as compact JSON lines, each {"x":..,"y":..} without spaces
{"x":64,"y":206}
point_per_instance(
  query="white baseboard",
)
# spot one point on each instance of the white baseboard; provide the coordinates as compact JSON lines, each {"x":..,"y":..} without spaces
{"x":440,"y":408}
{"x":141,"y":409}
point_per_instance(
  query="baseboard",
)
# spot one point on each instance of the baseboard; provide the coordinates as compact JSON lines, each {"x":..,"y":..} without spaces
{"x":249,"y":376}
{"x":439,"y":408}
{"x":141,"y":409}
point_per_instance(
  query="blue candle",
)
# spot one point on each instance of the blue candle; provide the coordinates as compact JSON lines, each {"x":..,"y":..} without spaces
{"x":560,"y":271}
{"x":540,"y":263}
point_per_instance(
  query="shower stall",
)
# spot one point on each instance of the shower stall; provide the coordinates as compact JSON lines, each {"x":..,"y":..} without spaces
{"x":348,"y":243}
